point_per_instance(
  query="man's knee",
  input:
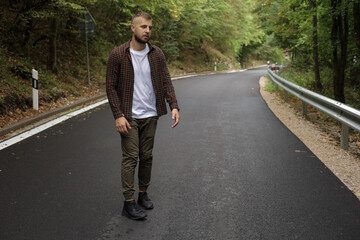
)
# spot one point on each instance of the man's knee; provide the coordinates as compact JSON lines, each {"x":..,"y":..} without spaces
{"x":146,"y":156}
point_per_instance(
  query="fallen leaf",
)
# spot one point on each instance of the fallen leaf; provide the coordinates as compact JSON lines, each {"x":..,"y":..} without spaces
{"x":298,"y":151}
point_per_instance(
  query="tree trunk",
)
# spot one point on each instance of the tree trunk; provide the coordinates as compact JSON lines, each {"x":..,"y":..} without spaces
{"x":334,"y":45}
{"x":27,"y":32}
{"x":343,"y":36}
{"x":318,"y":85}
{"x":52,"y":45}
{"x":356,"y":13}
{"x":339,"y":32}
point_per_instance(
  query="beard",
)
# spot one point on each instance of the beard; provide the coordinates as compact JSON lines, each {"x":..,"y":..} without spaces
{"x":140,"y":40}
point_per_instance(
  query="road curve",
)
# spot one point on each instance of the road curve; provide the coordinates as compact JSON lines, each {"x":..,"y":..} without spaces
{"x":230,"y":170}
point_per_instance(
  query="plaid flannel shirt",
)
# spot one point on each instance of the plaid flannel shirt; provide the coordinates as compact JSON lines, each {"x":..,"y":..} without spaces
{"x":120,"y":81}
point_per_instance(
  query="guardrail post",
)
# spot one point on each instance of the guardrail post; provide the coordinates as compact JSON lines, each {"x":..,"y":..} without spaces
{"x":344,"y":136}
{"x":285,"y":95}
{"x":304,"y":109}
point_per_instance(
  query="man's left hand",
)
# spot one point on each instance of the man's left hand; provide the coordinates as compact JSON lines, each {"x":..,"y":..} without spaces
{"x":175,"y":116}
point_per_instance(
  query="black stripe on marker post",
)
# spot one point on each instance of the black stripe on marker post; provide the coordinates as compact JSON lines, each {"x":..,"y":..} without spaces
{"x":35,"y":84}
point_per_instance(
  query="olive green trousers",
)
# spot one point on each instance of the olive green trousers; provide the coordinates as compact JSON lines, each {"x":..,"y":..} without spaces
{"x":137,"y":145}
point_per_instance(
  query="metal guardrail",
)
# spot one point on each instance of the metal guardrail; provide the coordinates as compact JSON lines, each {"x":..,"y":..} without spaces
{"x":348,"y":116}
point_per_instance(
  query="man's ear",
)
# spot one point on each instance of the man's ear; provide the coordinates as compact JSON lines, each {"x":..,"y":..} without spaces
{"x":132,"y":27}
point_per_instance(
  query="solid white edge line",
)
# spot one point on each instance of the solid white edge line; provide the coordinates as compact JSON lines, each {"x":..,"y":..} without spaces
{"x":237,"y":71}
{"x":188,"y":76}
{"x":175,"y":78}
{"x":36,"y":130}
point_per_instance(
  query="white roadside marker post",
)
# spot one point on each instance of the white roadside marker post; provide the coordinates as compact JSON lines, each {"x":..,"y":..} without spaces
{"x":35,"y":89}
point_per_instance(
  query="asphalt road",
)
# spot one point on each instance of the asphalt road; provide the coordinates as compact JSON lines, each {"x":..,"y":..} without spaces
{"x":230,"y":170}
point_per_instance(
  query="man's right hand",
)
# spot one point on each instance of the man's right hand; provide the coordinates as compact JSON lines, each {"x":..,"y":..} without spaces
{"x":122,"y":125}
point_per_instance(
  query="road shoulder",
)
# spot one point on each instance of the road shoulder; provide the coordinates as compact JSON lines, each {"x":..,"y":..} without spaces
{"x":344,"y":165}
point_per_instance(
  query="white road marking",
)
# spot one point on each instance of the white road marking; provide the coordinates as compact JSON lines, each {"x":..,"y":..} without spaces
{"x":36,"y":130}
{"x":175,"y":78}
{"x":237,"y":71}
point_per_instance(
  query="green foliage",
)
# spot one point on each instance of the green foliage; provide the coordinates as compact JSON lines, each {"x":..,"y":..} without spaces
{"x":290,"y":22}
{"x":303,"y":78}
{"x":266,"y":50}
{"x":14,"y":94}
{"x":166,"y":32}
{"x":270,"y":51}
{"x":270,"y":86}
{"x":179,"y":24}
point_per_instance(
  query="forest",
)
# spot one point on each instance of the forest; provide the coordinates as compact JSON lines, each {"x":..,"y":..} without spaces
{"x":322,"y":39}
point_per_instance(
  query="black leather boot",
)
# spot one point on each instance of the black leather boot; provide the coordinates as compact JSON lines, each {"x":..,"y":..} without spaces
{"x":144,"y":201}
{"x":132,"y":211}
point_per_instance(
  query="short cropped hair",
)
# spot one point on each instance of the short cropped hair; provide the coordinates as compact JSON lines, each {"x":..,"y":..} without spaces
{"x":141,"y":14}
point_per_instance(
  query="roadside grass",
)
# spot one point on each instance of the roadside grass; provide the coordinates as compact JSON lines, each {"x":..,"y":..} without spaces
{"x":270,"y":86}
{"x":306,"y":79}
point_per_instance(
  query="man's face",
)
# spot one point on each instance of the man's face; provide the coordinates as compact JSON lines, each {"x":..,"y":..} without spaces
{"x":141,"y":29}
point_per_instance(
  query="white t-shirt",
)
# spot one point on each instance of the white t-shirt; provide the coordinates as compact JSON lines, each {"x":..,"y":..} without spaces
{"x":144,"y":101}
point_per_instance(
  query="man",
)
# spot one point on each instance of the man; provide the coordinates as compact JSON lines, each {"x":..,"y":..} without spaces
{"x":137,"y":84}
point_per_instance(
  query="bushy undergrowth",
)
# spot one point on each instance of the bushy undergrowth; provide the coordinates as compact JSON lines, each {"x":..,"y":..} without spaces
{"x":271,"y":87}
{"x":305,"y":78}
{"x":69,"y":80}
